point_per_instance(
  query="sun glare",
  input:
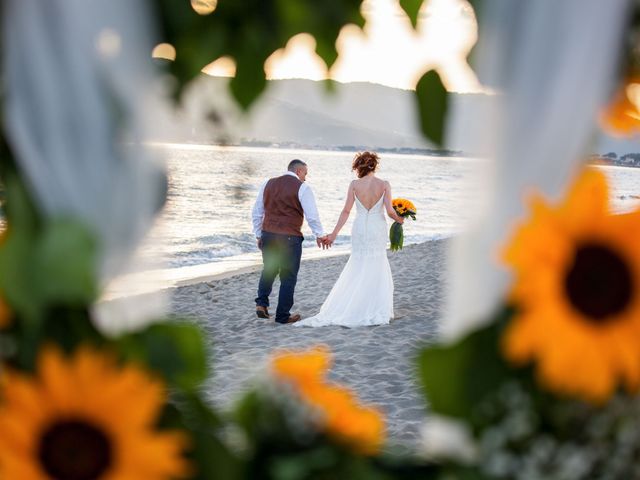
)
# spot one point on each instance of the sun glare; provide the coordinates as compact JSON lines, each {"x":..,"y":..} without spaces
{"x":165,"y":51}
{"x":204,"y":7}
{"x":387,"y":51}
{"x":297,"y":60}
{"x":222,"y":67}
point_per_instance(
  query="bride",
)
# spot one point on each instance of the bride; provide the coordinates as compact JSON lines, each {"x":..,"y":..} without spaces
{"x":363,"y":294}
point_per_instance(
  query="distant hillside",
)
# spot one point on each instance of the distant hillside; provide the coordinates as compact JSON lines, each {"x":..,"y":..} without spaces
{"x":302,"y":113}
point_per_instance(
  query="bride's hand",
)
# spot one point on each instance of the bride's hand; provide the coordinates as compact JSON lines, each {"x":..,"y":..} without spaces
{"x":331,"y":237}
{"x":400,"y":220}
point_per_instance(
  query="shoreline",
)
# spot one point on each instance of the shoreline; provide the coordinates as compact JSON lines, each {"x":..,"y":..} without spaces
{"x":149,"y":281}
{"x":320,"y":150}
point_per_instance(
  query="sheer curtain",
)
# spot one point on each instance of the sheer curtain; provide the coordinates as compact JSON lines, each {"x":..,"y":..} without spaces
{"x":79,"y":96}
{"x":551,"y":63}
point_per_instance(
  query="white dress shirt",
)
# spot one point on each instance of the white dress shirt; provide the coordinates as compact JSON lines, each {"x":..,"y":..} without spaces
{"x":307,"y":200}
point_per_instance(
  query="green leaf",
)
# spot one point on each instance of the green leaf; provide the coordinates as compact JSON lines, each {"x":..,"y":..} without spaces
{"x":326,"y":50}
{"x":432,"y":106}
{"x":458,"y":472}
{"x":396,"y":236}
{"x":214,"y":460}
{"x":412,"y":9}
{"x":303,"y":464}
{"x":249,"y":82}
{"x":176,"y":350}
{"x":66,"y":262}
{"x":16,"y":252}
{"x":16,"y":274}
{"x":456,"y":377}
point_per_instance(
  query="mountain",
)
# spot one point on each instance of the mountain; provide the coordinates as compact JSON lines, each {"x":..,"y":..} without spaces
{"x":303,"y":113}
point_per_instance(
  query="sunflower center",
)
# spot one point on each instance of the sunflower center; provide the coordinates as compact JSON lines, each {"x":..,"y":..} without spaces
{"x":599,"y":283}
{"x":75,"y":450}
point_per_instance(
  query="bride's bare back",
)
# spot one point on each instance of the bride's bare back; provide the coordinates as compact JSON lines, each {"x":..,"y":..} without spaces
{"x":369,"y":189}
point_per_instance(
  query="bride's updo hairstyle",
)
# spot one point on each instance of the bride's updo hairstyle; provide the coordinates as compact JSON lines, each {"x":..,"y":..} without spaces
{"x":365,"y":163}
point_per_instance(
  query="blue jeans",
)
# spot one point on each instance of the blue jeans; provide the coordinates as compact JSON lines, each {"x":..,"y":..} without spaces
{"x":280,"y":256}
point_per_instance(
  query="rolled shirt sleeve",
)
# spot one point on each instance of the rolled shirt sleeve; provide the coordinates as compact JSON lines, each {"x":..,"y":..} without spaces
{"x":308,"y":201}
{"x":257,"y":213}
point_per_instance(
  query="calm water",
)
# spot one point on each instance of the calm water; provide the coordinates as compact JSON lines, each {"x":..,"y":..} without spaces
{"x":207,"y":217}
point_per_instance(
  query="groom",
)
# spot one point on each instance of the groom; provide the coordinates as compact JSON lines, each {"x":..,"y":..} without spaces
{"x":278,"y":213}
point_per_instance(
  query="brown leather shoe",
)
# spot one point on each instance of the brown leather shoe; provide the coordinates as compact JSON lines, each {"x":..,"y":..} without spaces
{"x":292,"y":319}
{"x":262,"y":312}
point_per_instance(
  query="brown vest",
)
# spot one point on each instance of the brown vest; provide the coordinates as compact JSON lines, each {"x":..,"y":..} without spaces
{"x":283,"y":211}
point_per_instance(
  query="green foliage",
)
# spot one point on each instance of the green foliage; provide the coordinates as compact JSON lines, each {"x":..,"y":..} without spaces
{"x":396,"y":236}
{"x":412,"y":9}
{"x":176,"y":350}
{"x":43,"y":263}
{"x":249,"y":32}
{"x":17,"y":249}
{"x":457,"y":377}
{"x":433,"y":102}
{"x":65,"y":264}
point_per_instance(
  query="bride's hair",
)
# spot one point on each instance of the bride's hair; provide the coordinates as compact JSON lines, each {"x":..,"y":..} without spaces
{"x":365,"y":163}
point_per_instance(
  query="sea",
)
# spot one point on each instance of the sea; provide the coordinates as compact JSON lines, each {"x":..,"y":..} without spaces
{"x":205,"y":226}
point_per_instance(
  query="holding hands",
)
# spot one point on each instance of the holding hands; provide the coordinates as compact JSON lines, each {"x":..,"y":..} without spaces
{"x":325,"y":242}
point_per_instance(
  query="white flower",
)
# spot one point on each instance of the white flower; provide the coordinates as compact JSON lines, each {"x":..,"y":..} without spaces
{"x":446,"y":439}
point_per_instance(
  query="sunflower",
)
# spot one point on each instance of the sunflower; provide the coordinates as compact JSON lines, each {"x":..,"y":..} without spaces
{"x":85,"y":417}
{"x":343,"y":417}
{"x":302,"y":367}
{"x":621,"y":116}
{"x":577,"y":288}
{"x":403,"y":206}
{"x":339,"y":412}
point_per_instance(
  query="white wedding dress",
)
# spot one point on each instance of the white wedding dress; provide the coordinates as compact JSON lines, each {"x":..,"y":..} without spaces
{"x":363,"y":294}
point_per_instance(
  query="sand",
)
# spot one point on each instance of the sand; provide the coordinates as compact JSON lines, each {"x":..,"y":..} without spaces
{"x":376,"y":362}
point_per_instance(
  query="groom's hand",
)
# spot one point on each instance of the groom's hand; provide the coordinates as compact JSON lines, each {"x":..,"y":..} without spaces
{"x":323,"y":242}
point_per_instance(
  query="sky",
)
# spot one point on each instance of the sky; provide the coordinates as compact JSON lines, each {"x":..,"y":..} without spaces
{"x":387,"y":51}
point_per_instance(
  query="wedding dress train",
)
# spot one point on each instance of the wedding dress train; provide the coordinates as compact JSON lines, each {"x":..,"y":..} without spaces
{"x":363,"y":294}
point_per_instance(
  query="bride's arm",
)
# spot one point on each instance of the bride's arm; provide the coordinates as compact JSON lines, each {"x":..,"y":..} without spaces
{"x":387,"y":204}
{"x":344,"y":215}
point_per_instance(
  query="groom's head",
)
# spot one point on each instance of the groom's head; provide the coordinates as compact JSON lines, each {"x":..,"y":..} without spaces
{"x":299,"y":168}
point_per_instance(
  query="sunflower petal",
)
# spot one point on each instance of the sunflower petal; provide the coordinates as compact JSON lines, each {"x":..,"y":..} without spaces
{"x":587,"y":200}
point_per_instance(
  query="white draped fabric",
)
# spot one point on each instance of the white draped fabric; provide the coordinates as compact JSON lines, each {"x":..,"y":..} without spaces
{"x":78,"y":98}
{"x":552,"y":62}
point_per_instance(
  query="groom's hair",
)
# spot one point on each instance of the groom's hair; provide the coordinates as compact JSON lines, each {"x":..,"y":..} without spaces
{"x":295,"y":164}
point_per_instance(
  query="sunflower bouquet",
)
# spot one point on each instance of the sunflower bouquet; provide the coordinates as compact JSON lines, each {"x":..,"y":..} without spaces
{"x":404,"y":208}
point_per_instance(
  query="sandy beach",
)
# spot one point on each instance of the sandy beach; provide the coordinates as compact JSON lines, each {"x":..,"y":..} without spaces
{"x":377,"y":362}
